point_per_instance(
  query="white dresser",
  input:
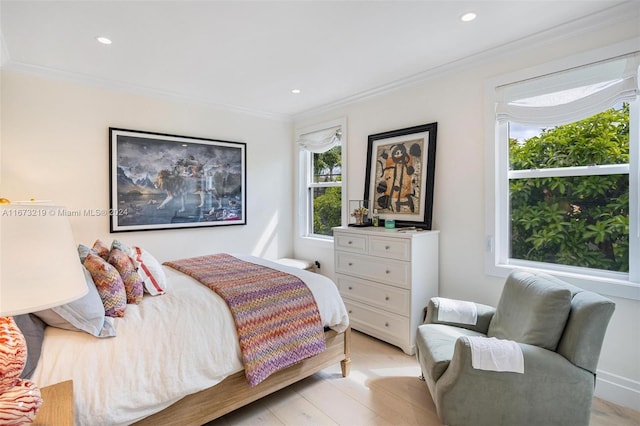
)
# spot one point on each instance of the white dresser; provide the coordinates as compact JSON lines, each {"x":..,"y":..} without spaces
{"x":386,"y":278}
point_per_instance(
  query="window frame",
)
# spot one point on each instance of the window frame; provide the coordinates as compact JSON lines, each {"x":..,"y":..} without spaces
{"x":497,"y":262}
{"x":306,"y":185}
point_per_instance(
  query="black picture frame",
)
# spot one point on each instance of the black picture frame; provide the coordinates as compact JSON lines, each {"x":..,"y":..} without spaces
{"x":408,"y":158}
{"x":161,"y":181}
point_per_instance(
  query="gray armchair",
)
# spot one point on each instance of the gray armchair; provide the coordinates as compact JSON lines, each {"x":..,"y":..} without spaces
{"x":560,"y":329}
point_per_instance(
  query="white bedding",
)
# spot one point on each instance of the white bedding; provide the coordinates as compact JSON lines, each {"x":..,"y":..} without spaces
{"x":166,"y":347}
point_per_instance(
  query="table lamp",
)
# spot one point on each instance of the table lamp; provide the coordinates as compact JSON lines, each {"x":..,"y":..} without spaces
{"x":39,"y":269}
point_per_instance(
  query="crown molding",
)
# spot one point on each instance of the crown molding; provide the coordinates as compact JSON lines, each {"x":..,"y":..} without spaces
{"x":605,"y":19}
{"x":129,"y":88}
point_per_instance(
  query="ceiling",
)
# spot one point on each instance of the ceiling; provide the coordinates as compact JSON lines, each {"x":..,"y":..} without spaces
{"x":249,"y":55}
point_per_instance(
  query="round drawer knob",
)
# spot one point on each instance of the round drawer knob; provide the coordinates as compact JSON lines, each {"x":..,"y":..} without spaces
{"x":387,"y":271}
{"x":350,"y":288}
{"x":349,"y":242}
{"x":386,"y":298}
{"x":350,"y":311}
{"x":386,"y":247}
{"x":386,"y":324}
{"x":350,"y":264}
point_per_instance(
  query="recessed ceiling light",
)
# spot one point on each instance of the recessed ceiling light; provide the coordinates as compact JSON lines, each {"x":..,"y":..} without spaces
{"x":296,"y":91}
{"x":103,"y":40}
{"x":468,"y":17}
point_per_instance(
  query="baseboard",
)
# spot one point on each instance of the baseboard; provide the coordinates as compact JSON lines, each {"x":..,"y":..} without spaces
{"x":618,"y":389}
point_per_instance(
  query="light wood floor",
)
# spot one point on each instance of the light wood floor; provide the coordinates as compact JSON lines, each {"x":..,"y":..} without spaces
{"x":382,"y":389}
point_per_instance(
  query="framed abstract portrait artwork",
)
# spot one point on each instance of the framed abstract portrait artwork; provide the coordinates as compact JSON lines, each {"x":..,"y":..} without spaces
{"x":399,"y":180}
{"x":161,"y":181}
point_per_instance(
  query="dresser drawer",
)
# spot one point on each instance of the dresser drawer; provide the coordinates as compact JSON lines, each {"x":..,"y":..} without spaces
{"x":390,"y":248}
{"x":349,"y":242}
{"x":386,"y":297}
{"x":387,"y":271}
{"x":384,"y":325}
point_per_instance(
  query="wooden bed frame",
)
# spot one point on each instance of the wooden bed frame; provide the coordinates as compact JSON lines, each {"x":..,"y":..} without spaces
{"x":234,"y":392}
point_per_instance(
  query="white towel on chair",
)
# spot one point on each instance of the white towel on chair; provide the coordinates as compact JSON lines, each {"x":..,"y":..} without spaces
{"x":489,"y":353}
{"x":450,"y":310}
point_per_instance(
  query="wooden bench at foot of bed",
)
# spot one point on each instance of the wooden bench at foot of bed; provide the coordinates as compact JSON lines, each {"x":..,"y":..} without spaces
{"x":234,"y":392}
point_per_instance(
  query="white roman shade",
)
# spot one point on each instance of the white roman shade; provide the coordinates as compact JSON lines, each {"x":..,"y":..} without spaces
{"x":321,"y":140}
{"x":570,"y":95}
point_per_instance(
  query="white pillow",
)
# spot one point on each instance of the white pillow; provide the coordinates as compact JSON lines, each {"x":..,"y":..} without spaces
{"x":150,"y":270}
{"x":85,"y":314}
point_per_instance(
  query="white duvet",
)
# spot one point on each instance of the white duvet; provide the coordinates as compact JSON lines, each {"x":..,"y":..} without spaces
{"x":166,"y":347}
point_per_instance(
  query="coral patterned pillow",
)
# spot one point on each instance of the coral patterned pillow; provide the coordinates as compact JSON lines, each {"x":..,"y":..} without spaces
{"x":109,"y":284}
{"x":101,"y":249}
{"x":133,"y":284}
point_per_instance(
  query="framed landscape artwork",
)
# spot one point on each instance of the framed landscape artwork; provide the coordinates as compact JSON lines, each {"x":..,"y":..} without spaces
{"x":400,"y":173}
{"x":160,"y":181}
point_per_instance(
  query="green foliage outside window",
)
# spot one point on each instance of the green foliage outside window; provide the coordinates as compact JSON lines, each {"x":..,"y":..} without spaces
{"x":580,"y":220}
{"x":327,"y":210}
{"x":327,"y":201}
{"x":325,"y":163}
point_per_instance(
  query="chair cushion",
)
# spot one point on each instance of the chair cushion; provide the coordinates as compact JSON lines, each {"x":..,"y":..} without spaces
{"x":533,"y":309}
{"x":435,"y":344}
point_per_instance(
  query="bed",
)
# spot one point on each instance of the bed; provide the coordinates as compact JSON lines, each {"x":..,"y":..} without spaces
{"x":176,"y":359}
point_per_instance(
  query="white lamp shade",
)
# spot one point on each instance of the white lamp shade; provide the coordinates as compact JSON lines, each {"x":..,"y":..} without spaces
{"x":40,"y":267}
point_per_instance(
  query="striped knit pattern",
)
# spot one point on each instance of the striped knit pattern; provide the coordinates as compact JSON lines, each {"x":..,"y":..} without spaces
{"x":109,"y":284}
{"x":133,"y":285}
{"x":276,"y":315}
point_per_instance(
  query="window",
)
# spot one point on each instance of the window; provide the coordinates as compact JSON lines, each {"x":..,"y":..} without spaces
{"x":569,"y":192}
{"x":565,"y":184}
{"x":321,"y":191}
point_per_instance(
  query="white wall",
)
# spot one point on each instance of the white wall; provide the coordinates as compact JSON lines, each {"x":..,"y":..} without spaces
{"x":455,"y":100}
{"x":55,"y":146}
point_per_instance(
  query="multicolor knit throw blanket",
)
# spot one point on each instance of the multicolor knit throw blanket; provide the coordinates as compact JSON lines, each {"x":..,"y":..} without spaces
{"x":276,"y":315}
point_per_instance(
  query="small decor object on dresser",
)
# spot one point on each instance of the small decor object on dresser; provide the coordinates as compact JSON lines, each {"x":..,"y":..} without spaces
{"x":400,"y":174}
{"x":359,"y":213}
{"x":386,"y":277}
{"x":161,"y":181}
{"x":376,"y":218}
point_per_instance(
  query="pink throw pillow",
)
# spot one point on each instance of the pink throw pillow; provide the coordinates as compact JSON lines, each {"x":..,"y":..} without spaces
{"x":109,"y":284}
{"x":133,"y":285}
{"x":101,"y":249}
